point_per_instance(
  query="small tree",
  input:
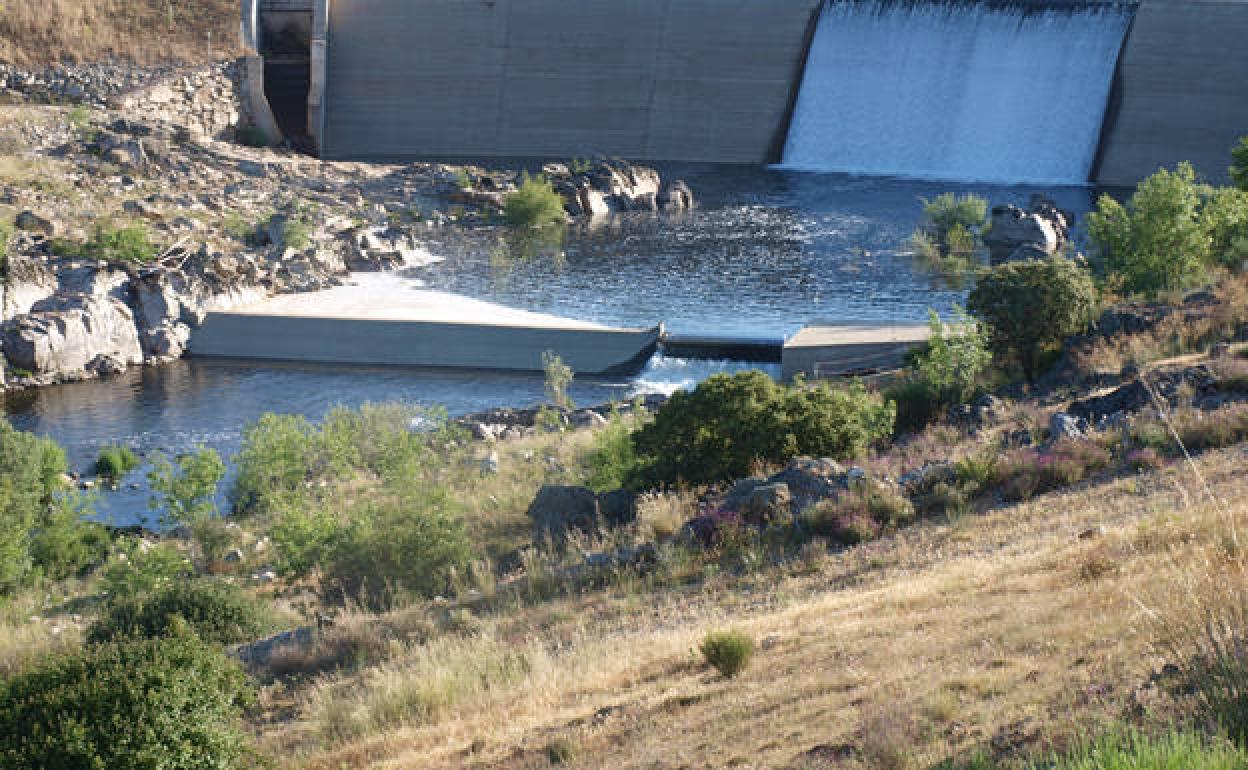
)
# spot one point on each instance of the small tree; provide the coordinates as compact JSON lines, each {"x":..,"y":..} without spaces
{"x":955,"y":356}
{"x":1157,"y":241}
{"x":558,"y":377}
{"x":1239,"y":164}
{"x":186,"y":496}
{"x":1032,"y":306}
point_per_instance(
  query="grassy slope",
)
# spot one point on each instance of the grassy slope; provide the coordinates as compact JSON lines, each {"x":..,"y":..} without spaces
{"x":142,"y":31}
{"x":994,"y":631}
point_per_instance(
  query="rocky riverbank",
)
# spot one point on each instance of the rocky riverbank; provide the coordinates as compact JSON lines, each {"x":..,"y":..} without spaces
{"x":134,"y":220}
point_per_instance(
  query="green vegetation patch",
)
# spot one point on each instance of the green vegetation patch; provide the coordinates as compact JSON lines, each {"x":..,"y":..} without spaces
{"x":534,"y":204}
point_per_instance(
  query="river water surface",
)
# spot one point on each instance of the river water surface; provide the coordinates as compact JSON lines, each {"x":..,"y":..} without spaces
{"x":764,"y":253}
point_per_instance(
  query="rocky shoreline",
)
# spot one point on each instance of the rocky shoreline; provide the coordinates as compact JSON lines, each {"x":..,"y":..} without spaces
{"x":227,"y":225}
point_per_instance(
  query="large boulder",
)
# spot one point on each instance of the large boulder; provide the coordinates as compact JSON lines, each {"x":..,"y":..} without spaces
{"x":617,"y":508}
{"x":26,"y":283}
{"x":767,"y":504}
{"x":557,"y":510}
{"x":1016,"y":230}
{"x":63,"y":336}
{"x":811,"y":479}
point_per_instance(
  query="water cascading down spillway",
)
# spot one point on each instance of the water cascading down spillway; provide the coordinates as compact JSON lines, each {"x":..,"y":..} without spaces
{"x":961,"y":91}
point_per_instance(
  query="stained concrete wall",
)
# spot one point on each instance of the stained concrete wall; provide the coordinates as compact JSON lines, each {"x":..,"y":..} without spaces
{"x":419,"y":343}
{"x":701,"y":80}
{"x":1181,"y":93}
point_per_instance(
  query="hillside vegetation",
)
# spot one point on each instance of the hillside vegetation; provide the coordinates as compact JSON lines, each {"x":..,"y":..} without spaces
{"x":141,"y":31}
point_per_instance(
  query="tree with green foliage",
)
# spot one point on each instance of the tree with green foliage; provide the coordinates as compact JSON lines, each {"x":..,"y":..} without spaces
{"x":948,"y":212}
{"x":1239,"y":164}
{"x":1224,"y":216}
{"x":728,"y":423}
{"x":558,"y":378}
{"x":1157,"y":241}
{"x":173,"y":703}
{"x":534,"y":203}
{"x":42,"y":525}
{"x":1030,"y":307}
{"x":947,"y":370}
{"x":186,"y":496}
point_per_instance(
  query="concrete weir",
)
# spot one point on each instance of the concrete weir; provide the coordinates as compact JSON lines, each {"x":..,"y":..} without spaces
{"x":383,"y":320}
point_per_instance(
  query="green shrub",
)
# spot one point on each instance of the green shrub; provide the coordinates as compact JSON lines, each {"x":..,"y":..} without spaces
{"x":728,"y":651}
{"x":612,"y":459}
{"x":728,"y":423}
{"x":534,"y":204}
{"x":283,"y":454}
{"x":1224,"y":216}
{"x":947,"y":211}
{"x":1030,"y":307}
{"x":560,"y":751}
{"x":558,"y":378}
{"x":217,"y":612}
{"x":946,"y":371}
{"x":42,"y":530}
{"x":115,"y":462}
{"x":390,"y":549}
{"x":1132,"y":750}
{"x":1157,"y":241}
{"x":130,"y":243}
{"x":1239,"y":164}
{"x":64,"y":543}
{"x":173,"y":704}
{"x":144,"y":569}
{"x":186,"y":487}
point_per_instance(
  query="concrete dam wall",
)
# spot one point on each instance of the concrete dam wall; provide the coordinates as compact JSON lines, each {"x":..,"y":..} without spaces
{"x":713,"y":80}
{"x":699,"y":80}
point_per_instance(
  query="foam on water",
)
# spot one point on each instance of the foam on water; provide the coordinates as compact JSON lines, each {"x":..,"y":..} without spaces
{"x":668,"y":375}
{"x":957,"y":91}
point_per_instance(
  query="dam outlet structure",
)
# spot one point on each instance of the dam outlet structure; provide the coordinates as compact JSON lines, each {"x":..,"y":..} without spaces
{"x":1008,"y":93}
{"x":1012,"y":91}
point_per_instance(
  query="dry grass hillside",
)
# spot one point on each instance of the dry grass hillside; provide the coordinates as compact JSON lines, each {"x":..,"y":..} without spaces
{"x":40,"y":32}
{"x":999,"y":635}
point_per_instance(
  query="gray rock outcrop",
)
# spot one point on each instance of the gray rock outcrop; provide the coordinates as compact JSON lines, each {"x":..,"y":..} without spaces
{"x":73,"y":336}
{"x":1016,"y":234}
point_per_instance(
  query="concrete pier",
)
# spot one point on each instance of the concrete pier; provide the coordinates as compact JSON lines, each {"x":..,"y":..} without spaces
{"x":836,"y":349}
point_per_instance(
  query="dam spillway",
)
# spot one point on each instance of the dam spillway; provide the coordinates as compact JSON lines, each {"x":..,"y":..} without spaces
{"x":976,"y":92}
{"x":718,"y":81}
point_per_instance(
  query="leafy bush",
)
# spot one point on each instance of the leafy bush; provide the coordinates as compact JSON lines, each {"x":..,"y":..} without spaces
{"x":186,"y":492}
{"x":1030,"y":307}
{"x":388,"y":549}
{"x":115,"y":462}
{"x":947,"y":211}
{"x":1239,"y":164}
{"x":144,"y":569}
{"x":728,"y":651}
{"x":65,"y":544}
{"x":282,"y":454}
{"x":42,"y":530}
{"x":1157,"y":241}
{"x":730,"y":422}
{"x":946,"y":371}
{"x":558,"y":377}
{"x":130,"y":243}
{"x":172,"y":703}
{"x":534,"y":204}
{"x":612,"y":458}
{"x":217,"y":612}
{"x":1224,"y":216}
